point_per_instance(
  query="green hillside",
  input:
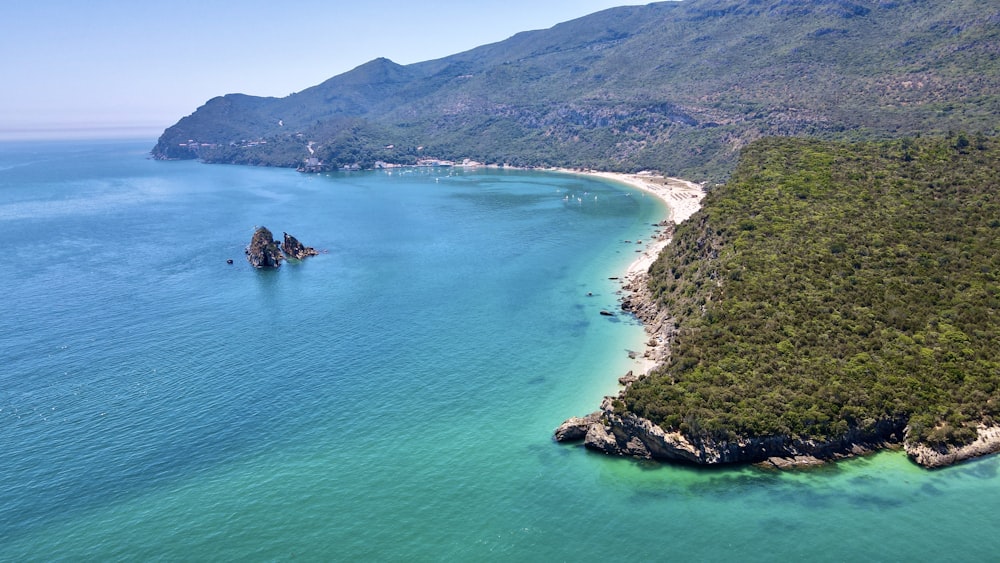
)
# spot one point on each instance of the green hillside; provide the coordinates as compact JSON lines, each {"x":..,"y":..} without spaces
{"x":678,"y":87}
{"x":831,"y":286}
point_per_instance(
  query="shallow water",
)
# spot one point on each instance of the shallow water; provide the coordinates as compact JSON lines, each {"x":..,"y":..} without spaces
{"x":392,"y":398}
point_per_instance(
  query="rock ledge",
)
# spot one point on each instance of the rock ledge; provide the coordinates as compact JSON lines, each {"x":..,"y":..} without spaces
{"x":626,"y":434}
{"x":987,"y":442}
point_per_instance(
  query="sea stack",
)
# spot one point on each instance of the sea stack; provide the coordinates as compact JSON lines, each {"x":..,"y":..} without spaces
{"x":295,"y":249}
{"x":263,"y":252}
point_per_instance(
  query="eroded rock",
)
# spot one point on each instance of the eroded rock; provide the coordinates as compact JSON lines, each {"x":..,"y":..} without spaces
{"x":628,"y":379}
{"x":987,"y":442}
{"x":295,"y":249}
{"x":575,"y":429}
{"x":626,"y":434}
{"x":263,"y":252}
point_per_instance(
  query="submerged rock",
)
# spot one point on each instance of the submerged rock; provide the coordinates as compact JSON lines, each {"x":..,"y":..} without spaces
{"x":295,"y":249}
{"x":263,"y":252}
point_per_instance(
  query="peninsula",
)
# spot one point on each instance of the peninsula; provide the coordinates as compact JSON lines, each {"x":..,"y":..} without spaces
{"x":830,"y":300}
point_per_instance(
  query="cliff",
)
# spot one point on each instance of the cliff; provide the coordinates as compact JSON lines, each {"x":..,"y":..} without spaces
{"x":625,"y":434}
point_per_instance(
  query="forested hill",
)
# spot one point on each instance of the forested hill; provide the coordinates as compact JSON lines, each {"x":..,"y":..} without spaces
{"x":677,"y":87}
{"x":831,"y":289}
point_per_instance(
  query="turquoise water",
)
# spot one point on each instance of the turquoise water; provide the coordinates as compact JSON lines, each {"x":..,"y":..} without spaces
{"x":390,"y":399}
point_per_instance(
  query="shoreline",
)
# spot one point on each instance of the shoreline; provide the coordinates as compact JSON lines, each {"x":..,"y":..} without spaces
{"x":682,"y":199}
{"x":625,"y":434}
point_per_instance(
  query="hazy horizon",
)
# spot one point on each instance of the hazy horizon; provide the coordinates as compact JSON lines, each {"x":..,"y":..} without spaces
{"x":99,"y":69}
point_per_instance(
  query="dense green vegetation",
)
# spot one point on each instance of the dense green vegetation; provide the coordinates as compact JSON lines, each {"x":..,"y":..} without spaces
{"x":831,"y":285}
{"x":678,"y":87}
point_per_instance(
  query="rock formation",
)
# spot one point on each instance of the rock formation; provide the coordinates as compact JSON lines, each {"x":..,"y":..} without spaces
{"x":626,"y":434}
{"x":575,"y":429}
{"x":987,"y":442}
{"x":263,"y":251}
{"x":295,"y":249}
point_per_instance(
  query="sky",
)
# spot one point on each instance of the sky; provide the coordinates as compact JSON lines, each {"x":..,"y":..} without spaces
{"x":74,"y":68}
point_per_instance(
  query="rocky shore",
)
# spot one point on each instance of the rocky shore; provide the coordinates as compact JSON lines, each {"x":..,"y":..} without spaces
{"x":613,"y":431}
{"x":987,"y":442}
{"x":610,"y":431}
{"x":625,"y":434}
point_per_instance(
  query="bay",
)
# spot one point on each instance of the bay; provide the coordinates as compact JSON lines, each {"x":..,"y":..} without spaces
{"x":390,"y":399}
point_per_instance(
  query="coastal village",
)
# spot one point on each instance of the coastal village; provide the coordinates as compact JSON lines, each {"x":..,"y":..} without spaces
{"x":314,"y":164}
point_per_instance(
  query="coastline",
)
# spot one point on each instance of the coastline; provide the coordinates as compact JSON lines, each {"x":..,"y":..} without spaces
{"x":613,"y":432}
{"x":682,"y":199}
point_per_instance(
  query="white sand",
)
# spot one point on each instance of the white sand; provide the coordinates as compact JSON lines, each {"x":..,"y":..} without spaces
{"x":681,"y":196}
{"x":683,"y":199}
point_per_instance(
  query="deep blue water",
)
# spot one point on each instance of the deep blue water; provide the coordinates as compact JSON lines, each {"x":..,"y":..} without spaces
{"x":390,"y":399}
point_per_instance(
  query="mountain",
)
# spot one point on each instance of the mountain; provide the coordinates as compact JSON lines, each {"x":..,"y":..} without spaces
{"x":678,"y":87}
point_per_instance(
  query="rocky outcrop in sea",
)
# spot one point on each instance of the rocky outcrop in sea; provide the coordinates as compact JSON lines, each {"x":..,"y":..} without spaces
{"x":295,"y":249}
{"x":264,"y":252}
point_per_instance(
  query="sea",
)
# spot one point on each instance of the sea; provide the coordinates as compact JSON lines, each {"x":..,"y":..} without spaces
{"x":391,"y":399}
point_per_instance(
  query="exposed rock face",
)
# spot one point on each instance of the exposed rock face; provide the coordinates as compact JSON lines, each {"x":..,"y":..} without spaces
{"x":575,"y":429}
{"x":660,"y":327}
{"x":263,"y":251}
{"x":987,"y":442}
{"x":295,"y":249}
{"x":626,"y":434}
{"x":628,"y":379}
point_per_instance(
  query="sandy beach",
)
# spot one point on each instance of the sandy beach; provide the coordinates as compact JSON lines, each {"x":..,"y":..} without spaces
{"x":683,"y":199}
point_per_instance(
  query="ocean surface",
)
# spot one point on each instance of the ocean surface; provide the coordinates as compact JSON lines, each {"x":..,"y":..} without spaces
{"x":390,"y":399}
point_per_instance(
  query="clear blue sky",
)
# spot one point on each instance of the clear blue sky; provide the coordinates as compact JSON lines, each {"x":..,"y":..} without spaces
{"x":73,"y":64}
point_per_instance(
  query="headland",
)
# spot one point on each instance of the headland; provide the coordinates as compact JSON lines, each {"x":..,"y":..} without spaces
{"x":743,"y":426}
